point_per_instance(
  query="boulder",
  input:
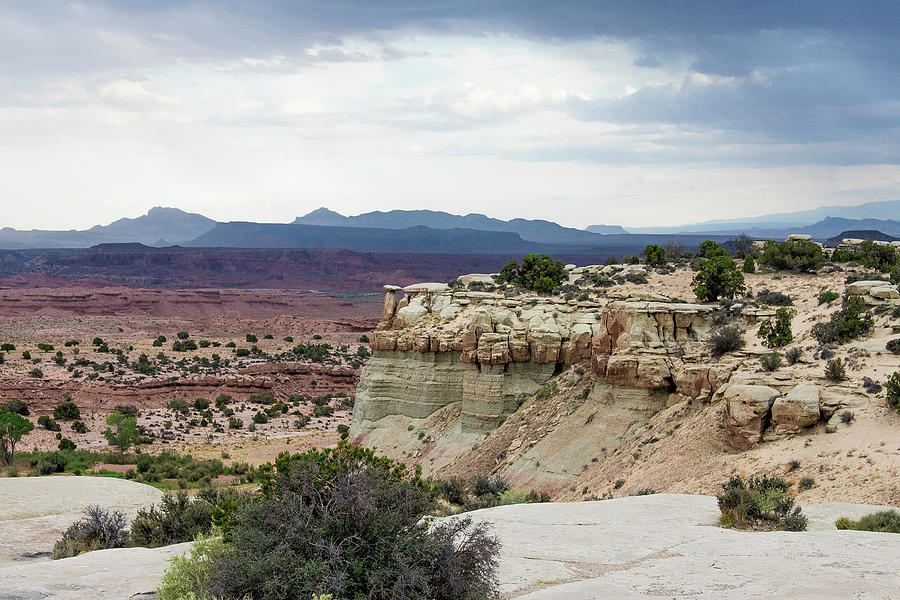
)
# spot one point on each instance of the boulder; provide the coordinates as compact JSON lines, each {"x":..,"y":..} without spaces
{"x":863,"y":288}
{"x":746,"y":413}
{"x":799,"y":408}
{"x":885,"y":292}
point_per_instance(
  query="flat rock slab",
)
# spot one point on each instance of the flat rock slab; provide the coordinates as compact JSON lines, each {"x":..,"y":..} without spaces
{"x":115,"y":574}
{"x":668,"y":546}
{"x":34,"y":511}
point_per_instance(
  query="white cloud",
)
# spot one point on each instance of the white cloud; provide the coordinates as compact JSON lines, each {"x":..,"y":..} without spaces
{"x":101,"y":117}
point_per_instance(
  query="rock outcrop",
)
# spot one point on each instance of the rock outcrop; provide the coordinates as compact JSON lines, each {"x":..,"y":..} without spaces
{"x":797,"y":409}
{"x":746,"y":413}
{"x":488,"y":353}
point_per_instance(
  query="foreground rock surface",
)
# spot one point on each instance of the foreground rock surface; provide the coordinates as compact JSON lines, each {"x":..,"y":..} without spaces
{"x":667,"y":546}
{"x":639,"y":547}
{"x":34,"y":511}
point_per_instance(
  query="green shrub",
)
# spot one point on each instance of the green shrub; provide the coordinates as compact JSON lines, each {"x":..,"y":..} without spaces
{"x":798,"y":255}
{"x":774,"y":298}
{"x":66,"y":411}
{"x":252,"y":339}
{"x":725,"y":339}
{"x":717,"y":277}
{"x":893,"y":346}
{"x":79,"y":427}
{"x":66,"y":444}
{"x":749,"y":265}
{"x":487,"y":485}
{"x":834,"y":370}
{"x":235,"y":423}
{"x":18,"y":407}
{"x":655,"y":255}
{"x":184,"y":346}
{"x":851,"y":322}
{"x":344,"y":522}
{"x":261,"y":398}
{"x":452,"y":490}
{"x":759,"y":503}
{"x":539,"y":273}
{"x":884,"y":521}
{"x":806,"y":483}
{"x":48,"y":423}
{"x":36,"y":373}
{"x":793,"y":355}
{"x":176,"y":519}
{"x":127,"y":410}
{"x":892,"y":385}
{"x":871,"y":255}
{"x":710,"y":249}
{"x":98,"y":529}
{"x":828,"y":296}
{"x":260,"y":417}
{"x":188,"y":575}
{"x":778,"y":333}
{"x":179,"y":405}
{"x":201,"y":404}
{"x":323,"y":411}
{"x":7,"y":347}
{"x":770,"y":362}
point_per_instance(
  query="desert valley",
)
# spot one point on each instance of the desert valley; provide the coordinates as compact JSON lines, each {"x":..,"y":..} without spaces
{"x":429,"y":300}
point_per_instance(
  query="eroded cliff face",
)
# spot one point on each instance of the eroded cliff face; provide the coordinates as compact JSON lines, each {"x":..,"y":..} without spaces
{"x":599,"y":399}
{"x":471,"y":360}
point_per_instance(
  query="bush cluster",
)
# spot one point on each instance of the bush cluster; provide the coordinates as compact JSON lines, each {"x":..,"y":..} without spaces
{"x":774,"y":298}
{"x":98,"y":529}
{"x":538,"y":272}
{"x":726,"y":339}
{"x":885,"y":521}
{"x":797,"y":255}
{"x":874,"y":256}
{"x":66,"y":411}
{"x":759,"y":503}
{"x":851,"y":322}
{"x":176,"y":519}
{"x":344,"y":522}
{"x":777,"y":333}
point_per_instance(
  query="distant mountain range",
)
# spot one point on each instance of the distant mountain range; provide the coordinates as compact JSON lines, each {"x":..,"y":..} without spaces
{"x":428,"y":231}
{"x":542,"y":232}
{"x":159,"y":227}
{"x":820,"y":222}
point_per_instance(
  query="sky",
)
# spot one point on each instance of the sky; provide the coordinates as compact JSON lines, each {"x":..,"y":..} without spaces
{"x":643,"y":113}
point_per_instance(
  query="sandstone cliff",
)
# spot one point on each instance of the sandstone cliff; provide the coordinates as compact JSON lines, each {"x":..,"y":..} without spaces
{"x":554,"y":392}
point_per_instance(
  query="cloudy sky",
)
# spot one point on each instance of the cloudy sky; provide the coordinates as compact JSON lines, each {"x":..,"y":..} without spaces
{"x":618,"y":112}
